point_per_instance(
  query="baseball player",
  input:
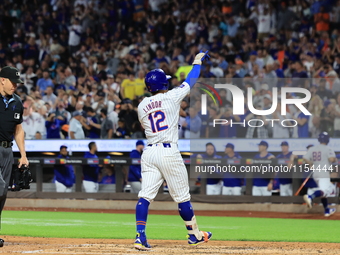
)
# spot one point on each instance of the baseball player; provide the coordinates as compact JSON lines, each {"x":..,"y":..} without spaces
{"x":91,"y":172}
{"x":286,"y":188}
{"x":214,"y":185}
{"x":11,"y":112}
{"x":64,"y":174}
{"x":134,"y":176}
{"x":231,"y":184}
{"x":161,"y":159}
{"x":262,"y":186}
{"x":310,"y":186}
{"x":321,"y":157}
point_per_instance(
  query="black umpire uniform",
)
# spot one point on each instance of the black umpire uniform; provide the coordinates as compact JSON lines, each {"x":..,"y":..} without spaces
{"x":11,"y":111}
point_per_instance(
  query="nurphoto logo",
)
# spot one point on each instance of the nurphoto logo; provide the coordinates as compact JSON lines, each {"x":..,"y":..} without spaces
{"x":239,"y":109}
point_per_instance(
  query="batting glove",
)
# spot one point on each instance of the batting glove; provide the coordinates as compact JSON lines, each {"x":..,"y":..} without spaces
{"x":200,"y":57}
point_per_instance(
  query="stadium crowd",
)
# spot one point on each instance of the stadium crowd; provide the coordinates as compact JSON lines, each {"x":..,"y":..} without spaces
{"x":83,"y":62}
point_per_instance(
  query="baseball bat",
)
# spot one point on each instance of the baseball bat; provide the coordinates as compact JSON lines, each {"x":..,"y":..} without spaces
{"x":303,"y":184}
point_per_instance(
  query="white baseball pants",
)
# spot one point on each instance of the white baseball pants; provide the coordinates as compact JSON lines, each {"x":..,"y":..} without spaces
{"x":61,"y":187}
{"x":159,"y":164}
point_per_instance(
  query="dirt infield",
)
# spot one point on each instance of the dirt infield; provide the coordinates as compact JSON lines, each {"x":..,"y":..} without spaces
{"x":36,"y":245}
{"x":257,"y":214}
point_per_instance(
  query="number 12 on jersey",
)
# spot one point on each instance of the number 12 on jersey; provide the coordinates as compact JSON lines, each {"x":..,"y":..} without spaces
{"x":156,"y":120}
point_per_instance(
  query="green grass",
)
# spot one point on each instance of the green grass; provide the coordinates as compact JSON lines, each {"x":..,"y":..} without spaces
{"x":122,"y":226}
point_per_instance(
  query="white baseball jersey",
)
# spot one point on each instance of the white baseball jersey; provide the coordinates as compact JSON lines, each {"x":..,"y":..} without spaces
{"x":320,"y":155}
{"x":158,"y":115}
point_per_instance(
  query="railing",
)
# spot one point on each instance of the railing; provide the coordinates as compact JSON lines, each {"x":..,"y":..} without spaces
{"x":36,"y":166}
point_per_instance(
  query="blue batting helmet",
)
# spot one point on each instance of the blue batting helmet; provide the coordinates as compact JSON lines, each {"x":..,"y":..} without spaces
{"x":156,"y":80}
{"x":323,"y":137}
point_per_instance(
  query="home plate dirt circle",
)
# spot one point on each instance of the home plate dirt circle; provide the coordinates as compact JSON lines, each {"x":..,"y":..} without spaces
{"x":39,"y":245}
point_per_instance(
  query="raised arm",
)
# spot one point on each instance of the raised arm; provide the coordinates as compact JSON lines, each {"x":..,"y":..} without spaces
{"x":177,"y":94}
{"x":196,"y":69}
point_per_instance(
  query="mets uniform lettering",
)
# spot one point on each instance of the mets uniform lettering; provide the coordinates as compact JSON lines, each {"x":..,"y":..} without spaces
{"x":158,"y":115}
{"x":161,"y":159}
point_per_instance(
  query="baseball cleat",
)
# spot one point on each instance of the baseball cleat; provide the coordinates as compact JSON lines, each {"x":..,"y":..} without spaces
{"x":1,"y":242}
{"x":329,"y":212}
{"x":141,"y":243}
{"x":193,"y":241}
{"x":308,"y":201}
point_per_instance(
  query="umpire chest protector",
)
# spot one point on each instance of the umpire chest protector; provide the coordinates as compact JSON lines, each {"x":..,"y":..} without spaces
{"x":11,"y":111}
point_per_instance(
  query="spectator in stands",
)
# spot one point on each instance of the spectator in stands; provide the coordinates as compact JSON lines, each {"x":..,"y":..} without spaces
{"x":137,"y":131}
{"x":285,"y":183}
{"x":70,"y":79}
{"x":53,"y":126}
{"x":315,"y":107}
{"x":262,"y":186}
{"x":60,"y":109}
{"x":232,"y":182}
{"x":128,"y":113}
{"x":93,"y":131}
{"x":80,"y":108}
{"x":106,"y":127}
{"x":336,"y":64}
{"x":49,"y":96}
{"x":64,"y":174}
{"x":298,"y":77}
{"x":323,"y":92}
{"x":135,"y":176}
{"x":211,"y":131}
{"x":228,"y":130}
{"x":76,"y":126}
{"x":321,"y":20}
{"x":192,"y":124}
{"x":258,"y":126}
{"x":301,"y":130}
{"x":74,"y":36}
{"x":327,"y":117}
{"x":263,"y":27}
{"x":33,"y":122}
{"x":29,"y":78}
{"x":214,"y":185}
{"x":91,"y":171}
{"x":44,"y":82}
{"x":140,"y":84}
{"x":122,"y":131}
{"x":278,"y":130}
{"x":99,"y":101}
{"x":128,"y":89}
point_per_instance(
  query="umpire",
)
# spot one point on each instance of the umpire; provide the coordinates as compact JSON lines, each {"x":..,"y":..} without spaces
{"x":11,"y":110}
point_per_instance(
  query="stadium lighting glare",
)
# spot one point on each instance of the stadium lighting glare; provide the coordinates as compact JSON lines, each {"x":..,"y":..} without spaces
{"x":49,"y":153}
{"x":116,"y":153}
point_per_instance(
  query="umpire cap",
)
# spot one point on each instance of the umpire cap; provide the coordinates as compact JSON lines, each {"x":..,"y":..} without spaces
{"x":11,"y":73}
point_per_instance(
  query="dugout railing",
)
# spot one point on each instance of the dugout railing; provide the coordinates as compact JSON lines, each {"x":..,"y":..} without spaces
{"x":37,"y":166}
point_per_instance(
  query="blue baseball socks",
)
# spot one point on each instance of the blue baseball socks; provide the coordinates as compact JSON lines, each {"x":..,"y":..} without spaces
{"x":317,"y":193}
{"x":142,"y":209}
{"x":187,"y":214}
{"x":324,"y":200}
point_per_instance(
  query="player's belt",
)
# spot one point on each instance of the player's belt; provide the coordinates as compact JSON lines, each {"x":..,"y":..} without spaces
{"x":6,"y":144}
{"x":165,"y":145}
